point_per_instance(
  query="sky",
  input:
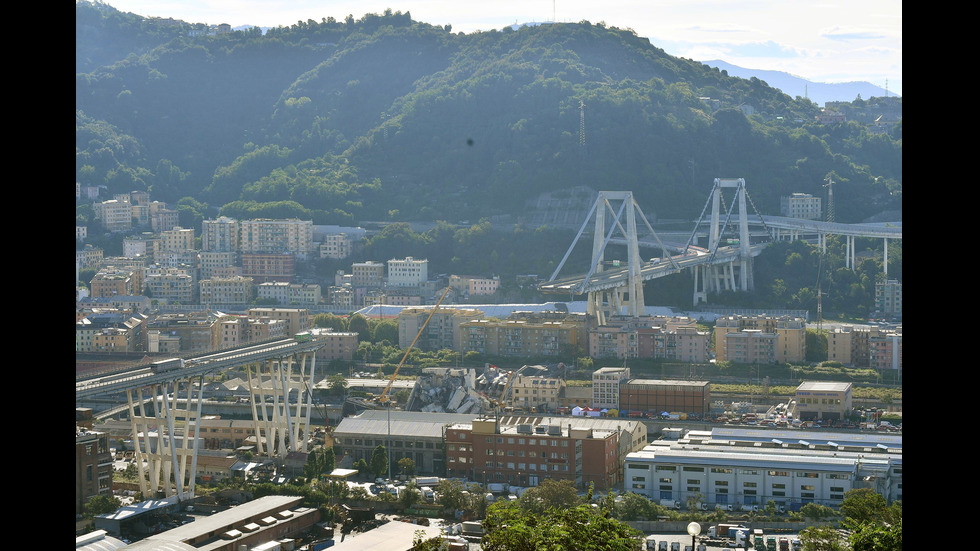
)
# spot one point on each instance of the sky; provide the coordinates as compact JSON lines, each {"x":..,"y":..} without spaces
{"x":820,"y":40}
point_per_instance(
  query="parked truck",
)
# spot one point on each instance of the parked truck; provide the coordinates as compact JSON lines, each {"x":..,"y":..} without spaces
{"x":740,"y":537}
{"x":722,"y":530}
{"x":471,"y":530}
{"x":670,"y":504}
{"x":170,"y":364}
{"x":427,"y":481}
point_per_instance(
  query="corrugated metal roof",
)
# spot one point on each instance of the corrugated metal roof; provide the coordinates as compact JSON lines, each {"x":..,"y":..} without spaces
{"x":816,"y":437}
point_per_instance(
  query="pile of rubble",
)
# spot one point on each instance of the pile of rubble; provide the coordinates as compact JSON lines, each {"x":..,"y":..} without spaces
{"x":458,"y":390}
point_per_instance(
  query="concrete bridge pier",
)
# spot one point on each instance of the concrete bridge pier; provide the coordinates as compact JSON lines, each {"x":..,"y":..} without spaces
{"x":165,"y":461}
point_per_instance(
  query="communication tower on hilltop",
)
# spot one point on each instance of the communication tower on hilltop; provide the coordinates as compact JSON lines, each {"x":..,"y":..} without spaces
{"x":581,"y":124}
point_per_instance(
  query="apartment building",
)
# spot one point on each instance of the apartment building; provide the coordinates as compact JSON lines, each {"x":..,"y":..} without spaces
{"x":189,"y":332}
{"x":605,"y":386}
{"x":88,"y":257}
{"x":368,"y":274}
{"x":173,"y":285}
{"x":218,"y":264}
{"x":265,"y":235}
{"x":235,"y":330}
{"x":536,"y":393}
{"x":466,"y":286}
{"x":227,"y":290}
{"x":177,"y":239}
{"x":885,"y":351}
{"x":850,"y":344}
{"x":303,"y":294}
{"x":110,"y":281}
{"x":443,"y":330}
{"x":162,"y":218}
{"x":264,"y":267}
{"x":111,"y":332}
{"x":661,"y":337}
{"x":767,"y":339}
{"x":888,"y":298}
{"x":93,"y":466}
{"x":336,"y":245}
{"x":523,"y":337}
{"x":144,"y":245}
{"x":407,"y":272}
{"x":801,"y":205}
{"x":114,"y":214}
{"x":297,"y":319}
{"x":221,"y":235}
{"x":116,"y":303}
{"x":337,"y":345}
{"x":341,"y":297}
{"x":391,"y":297}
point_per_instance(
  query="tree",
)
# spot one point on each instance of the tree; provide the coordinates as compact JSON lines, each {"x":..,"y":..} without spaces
{"x":101,"y":505}
{"x":864,"y":505}
{"x":316,"y":463}
{"x":386,"y":330}
{"x":336,"y":384}
{"x":550,"y":493}
{"x":876,"y":536}
{"x":816,"y":511}
{"x":636,"y":507}
{"x":379,"y":461}
{"x":410,"y":496}
{"x":822,"y":538}
{"x":451,"y":494}
{"x":406,"y":466}
{"x":359,"y":324}
{"x":331,"y":321}
{"x":510,"y":527}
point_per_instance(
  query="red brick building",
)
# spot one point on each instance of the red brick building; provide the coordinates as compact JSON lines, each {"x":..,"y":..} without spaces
{"x":525,"y":454}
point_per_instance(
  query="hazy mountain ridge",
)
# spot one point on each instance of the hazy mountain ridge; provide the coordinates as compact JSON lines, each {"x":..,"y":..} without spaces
{"x":818,"y":92}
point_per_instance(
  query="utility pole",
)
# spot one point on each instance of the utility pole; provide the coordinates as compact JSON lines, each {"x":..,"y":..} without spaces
{"x":830,"y":198}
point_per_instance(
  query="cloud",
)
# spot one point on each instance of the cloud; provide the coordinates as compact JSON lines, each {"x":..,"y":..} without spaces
{"x":840,"y":34}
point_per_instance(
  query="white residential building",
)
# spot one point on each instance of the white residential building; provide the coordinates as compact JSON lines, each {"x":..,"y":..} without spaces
{"x":408,"y":272}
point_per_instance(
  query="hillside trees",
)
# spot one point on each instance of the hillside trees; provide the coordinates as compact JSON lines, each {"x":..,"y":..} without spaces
{"x":385,"y":118}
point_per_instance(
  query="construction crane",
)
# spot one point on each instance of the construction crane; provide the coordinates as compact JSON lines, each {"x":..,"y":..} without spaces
{"x":511,"y":377}
{"x":384,"y":399}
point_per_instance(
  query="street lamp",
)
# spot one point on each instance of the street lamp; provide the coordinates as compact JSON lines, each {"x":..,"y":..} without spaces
{"x":694,"y":529}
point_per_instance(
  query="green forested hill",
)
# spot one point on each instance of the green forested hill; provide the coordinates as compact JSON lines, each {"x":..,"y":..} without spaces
{"x":386,"y":118}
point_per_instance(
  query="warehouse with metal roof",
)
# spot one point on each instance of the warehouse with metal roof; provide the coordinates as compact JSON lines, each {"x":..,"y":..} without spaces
{"x":746,"y":469}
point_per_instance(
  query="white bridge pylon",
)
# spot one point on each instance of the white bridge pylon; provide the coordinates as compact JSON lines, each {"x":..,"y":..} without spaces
{"x":735,"y":274}
{"x":608,"y":302}
{"x":166,"y":431}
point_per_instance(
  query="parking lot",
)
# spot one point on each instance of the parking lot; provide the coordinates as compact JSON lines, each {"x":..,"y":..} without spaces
{"x":684,"y":541}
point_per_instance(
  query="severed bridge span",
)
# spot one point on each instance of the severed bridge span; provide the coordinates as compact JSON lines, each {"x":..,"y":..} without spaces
{"x":616,"y":288}
{"x":165,"y":423}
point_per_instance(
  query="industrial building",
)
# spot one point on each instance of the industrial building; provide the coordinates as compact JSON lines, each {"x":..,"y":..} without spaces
{"x":249,"y":525}
{"x":739,"y":469}
{"x":525,"y":450}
